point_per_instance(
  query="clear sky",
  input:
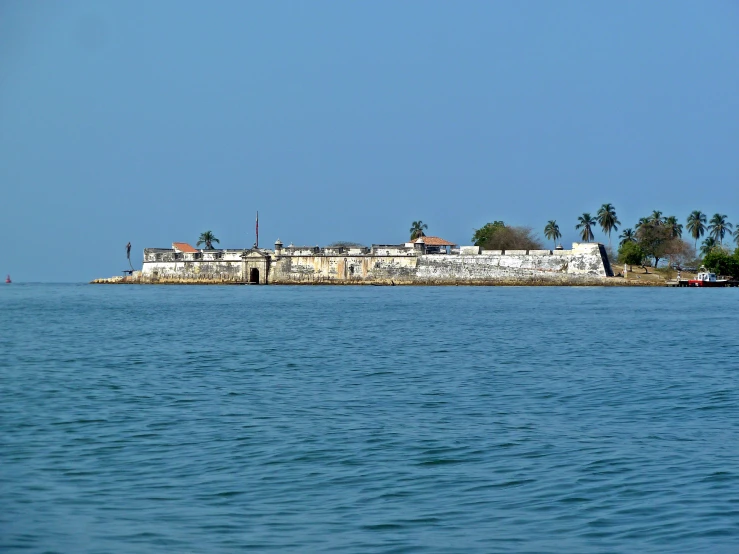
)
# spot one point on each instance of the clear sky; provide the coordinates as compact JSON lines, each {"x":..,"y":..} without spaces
{"x":151,"y":122}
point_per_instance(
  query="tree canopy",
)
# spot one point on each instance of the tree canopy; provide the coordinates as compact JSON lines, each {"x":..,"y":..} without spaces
{"x":720,"y":261}
{"x":417,"y":228}
{"x":585,"y":224}
{"x":551,"y":231}
{"x":346,"y":244}
{"x":207,"y":238}
{"x":696,"y":225}
{"x":654,"y":237}
{"x":607,"y":219}
{"x":718,"y":227}
{"x":627,"y":235}
{"x":631,"y":253}
{"x":499,"y":236}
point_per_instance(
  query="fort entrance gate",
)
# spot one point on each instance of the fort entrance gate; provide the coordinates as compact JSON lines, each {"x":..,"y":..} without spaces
{"x":255,"y":267}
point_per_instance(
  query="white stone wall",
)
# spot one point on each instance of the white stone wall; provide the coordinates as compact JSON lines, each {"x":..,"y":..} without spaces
{"x":228,"y":270}
{"x":584,"y":261}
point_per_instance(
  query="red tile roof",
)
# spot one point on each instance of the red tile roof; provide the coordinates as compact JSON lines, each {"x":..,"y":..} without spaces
{"x":434,"y":241}
{"x":183,"y":247}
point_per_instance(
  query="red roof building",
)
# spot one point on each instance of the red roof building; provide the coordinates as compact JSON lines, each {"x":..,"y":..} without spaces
{"x":432,"y":241}
{"x":183,"y":247}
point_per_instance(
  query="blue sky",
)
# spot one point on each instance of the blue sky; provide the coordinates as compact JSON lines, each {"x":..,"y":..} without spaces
{"x":151,"y":122}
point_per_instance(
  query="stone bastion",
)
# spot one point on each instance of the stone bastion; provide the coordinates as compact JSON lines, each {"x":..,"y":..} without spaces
{"x":584,"y":264}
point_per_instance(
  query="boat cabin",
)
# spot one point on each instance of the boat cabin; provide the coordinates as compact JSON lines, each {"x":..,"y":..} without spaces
{"x":706,"y":276}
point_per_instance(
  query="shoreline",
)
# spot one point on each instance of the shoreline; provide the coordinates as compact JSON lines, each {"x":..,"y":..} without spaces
{"x":597,"y":282}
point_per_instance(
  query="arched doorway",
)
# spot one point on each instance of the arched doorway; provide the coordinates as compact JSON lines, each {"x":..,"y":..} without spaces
{"x":253,"y":276}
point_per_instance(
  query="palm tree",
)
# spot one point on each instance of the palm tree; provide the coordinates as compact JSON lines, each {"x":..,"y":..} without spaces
{"x":642,"y":221}
{"x":207,"y":238}
{"x":608,"y":220}
{"x":551,"y":231}
{"x":718,"y":227}
{"x":708,"y":245}
{"x":586,"y":223}
{"x":417,"y":228}
{"x":696,"y":225}
{"x":656,"y":218}
{"x":675,"y":227}
{"x":736,"y":235}
{"x":628,"y":235}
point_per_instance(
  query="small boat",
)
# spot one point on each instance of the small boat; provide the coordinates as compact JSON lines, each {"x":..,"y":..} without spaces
{"x":706,"y":279}
{"x":7,"y":280}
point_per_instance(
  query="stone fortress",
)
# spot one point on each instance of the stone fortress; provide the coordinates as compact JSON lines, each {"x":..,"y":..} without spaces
{"x":425,"y":261}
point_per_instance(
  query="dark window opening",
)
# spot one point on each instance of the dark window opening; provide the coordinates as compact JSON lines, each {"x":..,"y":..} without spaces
{"x":254,"y":275}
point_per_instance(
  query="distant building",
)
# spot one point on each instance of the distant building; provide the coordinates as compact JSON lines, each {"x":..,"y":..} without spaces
{"x":432,"y":245}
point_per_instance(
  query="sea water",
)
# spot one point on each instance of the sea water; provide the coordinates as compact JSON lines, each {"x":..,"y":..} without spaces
{"x":368,"y":419}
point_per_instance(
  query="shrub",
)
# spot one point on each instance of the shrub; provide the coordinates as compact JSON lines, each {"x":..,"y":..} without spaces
{"x":631,"y":253}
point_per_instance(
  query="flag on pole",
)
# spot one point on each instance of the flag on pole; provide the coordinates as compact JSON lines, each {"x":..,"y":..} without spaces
{"x":257,"y":243}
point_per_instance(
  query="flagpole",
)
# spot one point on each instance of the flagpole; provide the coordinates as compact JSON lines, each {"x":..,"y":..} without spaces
{"x":257,"y":243}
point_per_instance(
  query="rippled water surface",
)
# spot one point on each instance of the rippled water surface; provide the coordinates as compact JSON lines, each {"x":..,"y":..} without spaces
{"x":368,"y":419}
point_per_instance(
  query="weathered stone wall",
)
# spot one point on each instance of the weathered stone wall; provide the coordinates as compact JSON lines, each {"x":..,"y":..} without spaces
{"x":220,"y":270}
{"x":583,"y":262}
{"x":351,"y":269}
{"x":304,"y":265}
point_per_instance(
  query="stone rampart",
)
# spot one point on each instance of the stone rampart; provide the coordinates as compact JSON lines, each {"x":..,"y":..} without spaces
{"x":584,"y":264}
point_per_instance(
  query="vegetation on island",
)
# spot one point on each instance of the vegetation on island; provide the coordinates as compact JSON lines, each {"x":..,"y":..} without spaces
{"x":345,"y":244}
{"x":718,"y":227}
{"x":607,"y":220}
{"x":585,"y":224}
{"x":696,"y":225}
{"x":417,"y":228}
{"x":499,"y":236}
{"x":722,"y":262}
{"x":551,"y":231}
{"x":656,"y":238}
{"x":207,"y":238}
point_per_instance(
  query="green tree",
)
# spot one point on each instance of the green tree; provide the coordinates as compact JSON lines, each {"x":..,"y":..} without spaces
{"x":675,"y":227}
{"x":417,"y":228}
{"x":485,"y":234}
{"x":551,"y":231}
{"x":718,"y":227}
{"x":642,"y":221}
{"x":499,"y":236}
{"x":627,"y":235}
{"x":607,"y":220}
{"x":696,"y":225}
{"x":656,"y":217}
{"x":207,"y":238}
{"x":721,"y":262}
{"x":586,"y":224}
{"x":736,"y":236}
{"x":631,"y":253}
{"x":654,"y":238}
{"x":708,"y":245}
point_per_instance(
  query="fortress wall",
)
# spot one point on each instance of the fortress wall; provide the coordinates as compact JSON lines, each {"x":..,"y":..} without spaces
{"x":349,"y":269}
{"x":583,"y":262}
{"x":192,"y":270}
